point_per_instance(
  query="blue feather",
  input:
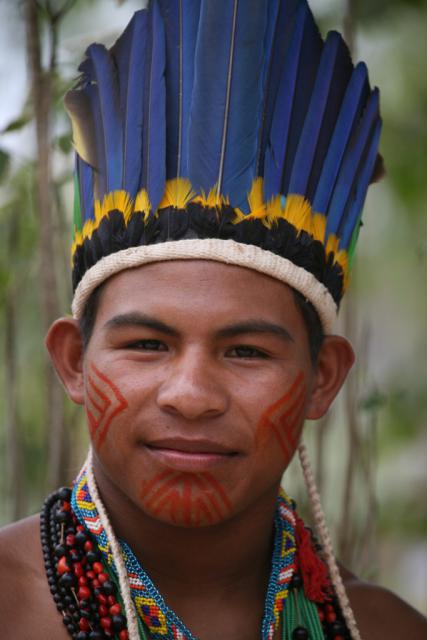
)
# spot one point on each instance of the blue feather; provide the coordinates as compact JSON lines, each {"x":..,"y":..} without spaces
{"x":310,"y":134}
{"x":368,"y":164}
{"x":107,"y":117}
{"x":153,"y":173}
{"x":130,"y":53}
{"x":292,"y":102}
{"x":355,"y":96}
{"x":181,"y":21}
{"x":227,"y":97}
{"x":281,"y":19}
{"x":85,"y":179}
{"x":350,"y":169}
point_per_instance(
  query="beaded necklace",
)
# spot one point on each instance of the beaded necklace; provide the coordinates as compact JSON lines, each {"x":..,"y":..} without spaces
{"x":161,"y":621}
{"x":83,"y":580}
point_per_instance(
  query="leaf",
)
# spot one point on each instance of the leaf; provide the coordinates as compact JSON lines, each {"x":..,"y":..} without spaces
{"x":4,"y":163}
{"x":18,"y":123}
{"x":64,"y":143}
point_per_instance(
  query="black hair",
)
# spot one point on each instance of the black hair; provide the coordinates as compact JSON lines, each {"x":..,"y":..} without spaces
{"x":312,"y":323}
{"x":309,"y":315}
{"x":88,"y":317}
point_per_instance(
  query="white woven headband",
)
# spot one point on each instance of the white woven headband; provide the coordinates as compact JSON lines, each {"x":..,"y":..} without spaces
{"x":228,"y":251}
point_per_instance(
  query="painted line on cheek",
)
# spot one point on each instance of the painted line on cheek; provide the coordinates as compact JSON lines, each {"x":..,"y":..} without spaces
{"x":288,"y":428}
{"x":283,"y":417}
{"x":106,"y":403}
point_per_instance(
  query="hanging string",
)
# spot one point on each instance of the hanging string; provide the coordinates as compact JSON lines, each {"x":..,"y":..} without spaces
{"x":131,"y":617}
{"x":325,"y":539}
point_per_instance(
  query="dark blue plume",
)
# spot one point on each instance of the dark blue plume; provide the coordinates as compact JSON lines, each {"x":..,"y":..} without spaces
{"x":355,"y":210}
{"x":130,"y":55}
{"x":153,"y":174}
{"x":308,"y":143}
{"x":181,"y":18}
{"x":227,"y":97}
{"x":292,"y":102}
{"x":103,"y":92}
{"x":85,"y":179}
{"x":355,"y":97}
{"x":281,"y":20}
{"x":352,"y":165}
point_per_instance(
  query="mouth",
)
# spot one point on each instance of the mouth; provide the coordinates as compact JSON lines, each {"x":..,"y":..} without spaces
{"x":189,"y":455}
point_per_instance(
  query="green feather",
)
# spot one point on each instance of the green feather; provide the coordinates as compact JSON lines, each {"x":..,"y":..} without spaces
{"x":78,"y":224}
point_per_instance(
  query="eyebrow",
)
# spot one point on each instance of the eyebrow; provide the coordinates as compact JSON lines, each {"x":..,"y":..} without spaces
{"x":137,"y":319}
{"x":256,"y":326}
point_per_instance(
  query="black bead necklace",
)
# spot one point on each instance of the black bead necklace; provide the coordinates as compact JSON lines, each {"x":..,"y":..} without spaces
{"x":78,"y":580}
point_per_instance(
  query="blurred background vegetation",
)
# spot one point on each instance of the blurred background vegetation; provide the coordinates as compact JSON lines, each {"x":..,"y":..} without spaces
{"x":370,"y":454}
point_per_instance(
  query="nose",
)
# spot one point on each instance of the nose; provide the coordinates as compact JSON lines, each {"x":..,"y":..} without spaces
{"x":193,"y":388}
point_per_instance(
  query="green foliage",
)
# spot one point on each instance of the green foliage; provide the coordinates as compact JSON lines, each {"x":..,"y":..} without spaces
{"x":64,"y":143}
{"x":4,"y":164}
{"x":374,"y":10}
{"x":18,"y":123}
{"x":405,"y":516}
{"x":405,"y":416}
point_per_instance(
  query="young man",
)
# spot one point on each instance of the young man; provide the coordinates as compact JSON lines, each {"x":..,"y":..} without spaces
{"x":223,"y":160}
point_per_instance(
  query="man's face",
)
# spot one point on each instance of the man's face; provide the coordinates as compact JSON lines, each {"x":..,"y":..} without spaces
{"x":197,"y":379}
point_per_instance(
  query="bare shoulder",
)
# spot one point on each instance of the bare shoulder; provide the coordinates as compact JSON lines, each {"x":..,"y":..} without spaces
{"x":27,"y":609}
{"x":20,"y":555}
{"x":382,"y":614}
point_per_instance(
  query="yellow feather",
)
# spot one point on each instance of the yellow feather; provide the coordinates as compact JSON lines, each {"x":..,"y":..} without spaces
{"x":256,"y":203}
{"x":78,"y":241}
{"x":332,"y":244}
{"x":274,"y":211}
{"x":298,"y":212}
{"x":178,"y":193}
{"x":113,"y":201}
{"x":78,"y":107}
{"x":341,"y":257}
{"x":213,"y":199}
{"x":79,"y":144}
{"x":319,"y":226}
{"x":256,"y":198}
{"x":142,"y":203}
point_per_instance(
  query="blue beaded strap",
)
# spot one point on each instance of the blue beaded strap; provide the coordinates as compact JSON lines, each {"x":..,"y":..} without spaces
{"x":161,"y":622}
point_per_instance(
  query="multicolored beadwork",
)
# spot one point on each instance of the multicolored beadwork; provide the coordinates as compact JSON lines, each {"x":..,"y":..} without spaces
{"x":160,"y":620}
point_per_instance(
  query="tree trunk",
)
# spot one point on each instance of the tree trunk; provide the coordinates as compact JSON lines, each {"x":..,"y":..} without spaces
{"x":15,"y":474}
{"x":41,"y":82}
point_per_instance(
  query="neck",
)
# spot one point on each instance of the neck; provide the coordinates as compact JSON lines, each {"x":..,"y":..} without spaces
{"x":234,"y":552}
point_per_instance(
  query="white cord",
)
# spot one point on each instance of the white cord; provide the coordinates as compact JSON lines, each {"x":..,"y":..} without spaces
{"x":325,"y":539}
{"x":131,"y":616}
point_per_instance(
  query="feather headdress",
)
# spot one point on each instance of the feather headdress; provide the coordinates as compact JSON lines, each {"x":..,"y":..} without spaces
{"x":223,"y":131}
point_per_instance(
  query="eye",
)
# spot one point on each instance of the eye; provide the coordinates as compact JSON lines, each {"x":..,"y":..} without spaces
{"x":147,"y":345}
{"x":245,"y":351}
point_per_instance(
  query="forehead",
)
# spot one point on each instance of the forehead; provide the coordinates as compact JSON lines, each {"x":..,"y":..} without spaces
{"x":198,"y":291}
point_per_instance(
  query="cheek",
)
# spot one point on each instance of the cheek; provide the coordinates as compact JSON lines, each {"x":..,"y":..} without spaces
{"x":104,"y":402}
{"x":280,"y":424}
{"x":186,"y":499}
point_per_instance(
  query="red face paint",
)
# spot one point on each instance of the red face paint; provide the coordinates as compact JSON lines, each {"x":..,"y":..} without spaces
{"x":189,"y":499}
{"x":283,"y":418}
{"x":104,"y":402}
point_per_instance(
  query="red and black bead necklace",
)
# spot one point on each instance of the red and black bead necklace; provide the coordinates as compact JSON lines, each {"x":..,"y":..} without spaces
{"x":80,"y":584}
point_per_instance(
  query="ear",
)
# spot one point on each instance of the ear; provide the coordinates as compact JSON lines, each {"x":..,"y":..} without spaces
{"x":335,"y":360}
{"x":65,"y":347}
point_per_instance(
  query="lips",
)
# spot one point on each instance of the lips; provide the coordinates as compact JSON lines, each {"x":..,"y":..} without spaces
{"x":190,"y":446}
{"x":189,"y":454}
